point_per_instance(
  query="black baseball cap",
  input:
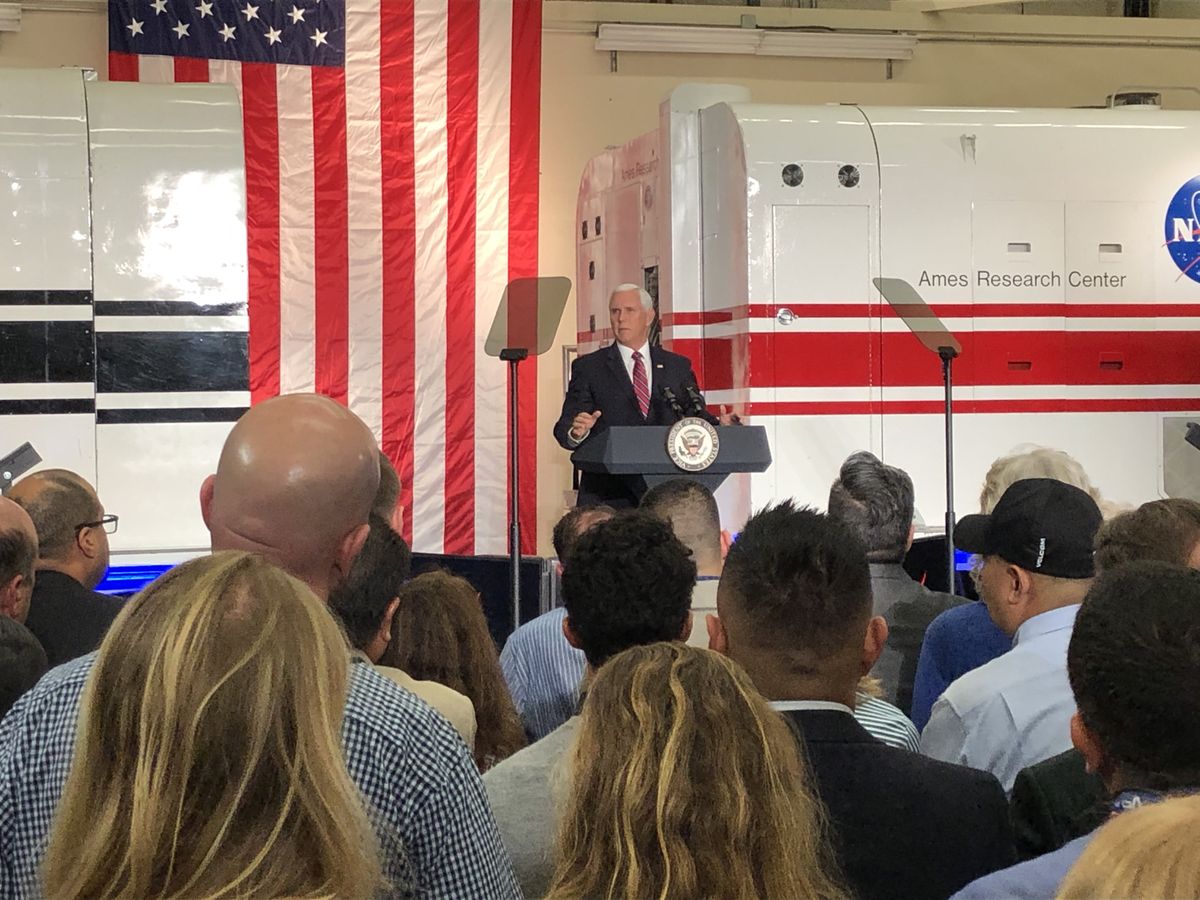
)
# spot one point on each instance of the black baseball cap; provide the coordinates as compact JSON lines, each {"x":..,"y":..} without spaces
{"x":1040,"y":524}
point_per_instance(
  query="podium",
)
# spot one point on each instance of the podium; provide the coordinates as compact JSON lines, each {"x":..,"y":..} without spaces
{"x":637,"y":455}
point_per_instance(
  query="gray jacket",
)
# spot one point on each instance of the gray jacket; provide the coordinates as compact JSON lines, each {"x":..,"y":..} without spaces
{"x":908,"y":608}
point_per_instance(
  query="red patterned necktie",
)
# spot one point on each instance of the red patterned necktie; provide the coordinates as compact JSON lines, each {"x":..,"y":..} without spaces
{"x":640,"y":385}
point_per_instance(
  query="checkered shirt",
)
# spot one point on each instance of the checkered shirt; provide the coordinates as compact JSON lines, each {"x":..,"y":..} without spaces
{"x":437,"y":833}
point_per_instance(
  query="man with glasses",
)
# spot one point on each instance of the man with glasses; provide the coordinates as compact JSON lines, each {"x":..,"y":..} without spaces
{"x":66,"y":614}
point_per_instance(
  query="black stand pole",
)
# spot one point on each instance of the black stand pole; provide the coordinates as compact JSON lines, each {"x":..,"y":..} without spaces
{"x":947,"y":355}
{"x":513,"y":356}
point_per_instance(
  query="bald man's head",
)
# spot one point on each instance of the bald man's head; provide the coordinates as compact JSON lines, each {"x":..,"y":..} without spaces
{"x":18,"y":552}
{"x":67,"y":514}
{"x":295,"y":482}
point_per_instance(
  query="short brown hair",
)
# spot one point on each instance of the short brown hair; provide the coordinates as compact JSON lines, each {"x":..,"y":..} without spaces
{"x":1164,"y":530}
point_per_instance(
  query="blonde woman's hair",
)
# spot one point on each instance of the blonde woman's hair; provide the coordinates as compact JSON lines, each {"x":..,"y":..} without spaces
{"x":1147,"y":853}
{"x":687,"y":784}
{"x":208,"y":761}
{"x":1031,"y":461}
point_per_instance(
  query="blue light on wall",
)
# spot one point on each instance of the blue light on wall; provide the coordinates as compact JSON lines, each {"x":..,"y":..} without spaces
{"x":126,"y":580}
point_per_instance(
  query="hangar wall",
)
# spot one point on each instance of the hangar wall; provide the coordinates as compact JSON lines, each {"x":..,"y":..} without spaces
{"x":979,"y":58}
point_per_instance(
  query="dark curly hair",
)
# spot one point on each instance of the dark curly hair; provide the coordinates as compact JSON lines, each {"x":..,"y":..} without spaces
{"x":1134,"y":665}
{"x":798,"y":579}
{"x":629,"y":583}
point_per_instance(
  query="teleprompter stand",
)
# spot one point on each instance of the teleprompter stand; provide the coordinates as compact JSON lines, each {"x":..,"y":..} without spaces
{"x":935,"y":337}
{"x":525,"y":323}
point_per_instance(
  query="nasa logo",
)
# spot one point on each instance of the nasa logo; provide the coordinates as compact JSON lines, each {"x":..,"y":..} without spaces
{"x":1183,"y":230}
{"x":693,"y":444}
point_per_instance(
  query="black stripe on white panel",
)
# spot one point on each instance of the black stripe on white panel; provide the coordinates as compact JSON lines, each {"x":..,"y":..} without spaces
{"x":164,"y":361}
{"x":44,"y":352}
{"x":45,"y":298}
{"x":167,"y":308}
{"x":46,"y":407}
{"x":159,"y":416}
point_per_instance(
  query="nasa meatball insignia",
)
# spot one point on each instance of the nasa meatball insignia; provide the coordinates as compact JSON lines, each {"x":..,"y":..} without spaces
{"x":692,"y":444}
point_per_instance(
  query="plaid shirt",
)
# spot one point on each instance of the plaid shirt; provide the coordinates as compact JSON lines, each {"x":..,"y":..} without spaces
{"x":438,"y":835}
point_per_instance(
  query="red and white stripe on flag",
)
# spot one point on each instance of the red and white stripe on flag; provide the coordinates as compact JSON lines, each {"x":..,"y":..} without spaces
{"x":388,"y":204}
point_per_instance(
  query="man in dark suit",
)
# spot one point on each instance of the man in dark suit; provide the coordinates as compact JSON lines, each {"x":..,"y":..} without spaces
{"x":794,"y":609}
{"x":65,"y":614}
{"x":876,"y":501}
{"x":624,"y":383}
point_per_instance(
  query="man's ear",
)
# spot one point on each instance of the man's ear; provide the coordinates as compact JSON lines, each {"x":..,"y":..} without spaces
{"x":85,"y":540}
{"x":873,"y":642}
{"x":726,"y":543}
{"x":569,"y":633}
{"x":207,"y":490}
{"x":397,"y":519}
{"x":351,"y":546}
{"x":10,"y":596}
{"x":718,"y":639}
{"x":1085,"y":742}
{"x":912,"y":533}
{"x":384,"y":635}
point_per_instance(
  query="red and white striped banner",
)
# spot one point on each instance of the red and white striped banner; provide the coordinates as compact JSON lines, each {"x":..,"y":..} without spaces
{"x":388,"y":204}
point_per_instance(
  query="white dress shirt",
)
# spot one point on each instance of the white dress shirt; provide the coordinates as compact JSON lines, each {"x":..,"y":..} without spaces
{"x":1014,"y":711}
{"x":627,"y":358}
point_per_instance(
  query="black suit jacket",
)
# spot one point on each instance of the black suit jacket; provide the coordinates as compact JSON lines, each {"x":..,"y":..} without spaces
{"x":599,"y":382}
{"x":1054,"y":802}
{"x":903,"y":825}
{"x":68,"y":619}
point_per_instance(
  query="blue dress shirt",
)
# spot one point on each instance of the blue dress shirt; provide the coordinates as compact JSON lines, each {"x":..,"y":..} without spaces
{"x":437,"y":834}
{"x":956,"y":641}
{"x":1013,"y":712}
{"x":543,"y":673}
{"x":1036,"y":879}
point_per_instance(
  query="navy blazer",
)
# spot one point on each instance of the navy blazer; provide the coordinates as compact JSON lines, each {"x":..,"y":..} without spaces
{"x":599,"y":381}
{"x":903,"y":826}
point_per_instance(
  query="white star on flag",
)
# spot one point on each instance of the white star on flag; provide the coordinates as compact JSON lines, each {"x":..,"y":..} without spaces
{"x":160,"y":7}
{"x":227,"y":33}
{"x":318,"y":38}
{"x":250,"y":12}
{"x":181,"y":30}
{"x":273,"y":35}
{"x":297,"y":15}
{"x":205,"y":9}
{"x":135,"y":27}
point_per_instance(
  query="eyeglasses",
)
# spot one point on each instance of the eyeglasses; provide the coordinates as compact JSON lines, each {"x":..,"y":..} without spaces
{"x":108,"y":523}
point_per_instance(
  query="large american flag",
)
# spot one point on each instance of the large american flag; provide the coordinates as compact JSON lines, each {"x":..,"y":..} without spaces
{"x":392,"y":192}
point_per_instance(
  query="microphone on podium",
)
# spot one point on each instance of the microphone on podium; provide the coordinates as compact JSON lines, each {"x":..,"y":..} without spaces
{"x":673,"y":402}
{"x":698,"y":405}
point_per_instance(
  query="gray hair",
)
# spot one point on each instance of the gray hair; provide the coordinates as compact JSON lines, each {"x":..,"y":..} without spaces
{"x":64,"y":503}
{"x":1031,"y":461}
{"x":643,"y":294}
{"x":876,"y":501}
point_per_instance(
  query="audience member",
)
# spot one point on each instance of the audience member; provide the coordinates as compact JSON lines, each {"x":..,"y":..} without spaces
{"x":1037,"y":567}
{"x":366,"y":602}
{"x":66,"y":614}
{"x":22,"y":659}
{"x":628,"y":581}
{"x":1057,"y":800}
{"x":295,"y":484}
{"x":691,"y":511}
{"x":1134,"y":662}
{"x":672,"y":721}
{"x":387,"y":497}
{"x":876,"y":501}
{"x":794,"y":609}
{"x":1148,"y":853}
{"x":439,"y":634}
{"x":965,"y":637}
{"x":541,"y":669}
{"x":208,"y":760}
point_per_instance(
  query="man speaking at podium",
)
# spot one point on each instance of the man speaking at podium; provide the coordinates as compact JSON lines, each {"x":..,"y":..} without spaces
{"x":626,"y":383}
